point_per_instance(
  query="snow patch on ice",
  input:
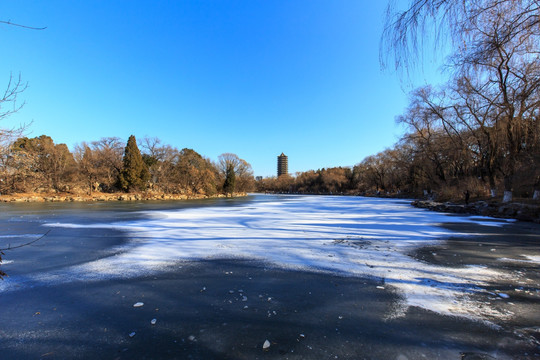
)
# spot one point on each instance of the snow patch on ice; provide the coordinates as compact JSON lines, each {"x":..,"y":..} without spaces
{"x":529,"y":259}
{"x":533,"y":258}
{"x":25,"y":236}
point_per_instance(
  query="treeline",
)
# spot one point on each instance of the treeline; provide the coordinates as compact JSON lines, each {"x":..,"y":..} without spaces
{"x":337,"y":180}
{"x":415,"y":168}
{"x":38,"y":165}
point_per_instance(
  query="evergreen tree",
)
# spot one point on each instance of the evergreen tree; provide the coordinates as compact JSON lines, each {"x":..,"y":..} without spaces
{"x":134,"y":175}
{"x":230,"y":180}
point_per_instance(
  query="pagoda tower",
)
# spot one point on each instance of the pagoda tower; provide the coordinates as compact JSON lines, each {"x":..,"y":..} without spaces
{"x":282,"y":165}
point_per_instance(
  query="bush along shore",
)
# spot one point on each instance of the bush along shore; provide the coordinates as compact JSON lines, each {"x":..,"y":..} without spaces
{"x":518,"y":211}
{"x":142,"y":196}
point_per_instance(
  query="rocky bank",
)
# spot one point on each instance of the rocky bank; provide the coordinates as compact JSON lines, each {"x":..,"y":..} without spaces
{"x":518,"y":211}
{"x":106,"y":197}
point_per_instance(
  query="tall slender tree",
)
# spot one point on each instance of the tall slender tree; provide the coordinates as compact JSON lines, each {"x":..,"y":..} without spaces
{"x":230,"y":180}
{"x":134,"y":175}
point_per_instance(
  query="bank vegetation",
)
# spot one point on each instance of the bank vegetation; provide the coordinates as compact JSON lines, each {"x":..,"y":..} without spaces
{"x":37,"y":169}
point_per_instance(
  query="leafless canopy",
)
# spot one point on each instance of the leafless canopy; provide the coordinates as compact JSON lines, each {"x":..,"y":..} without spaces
{"x":8,"y":102}
{"x":459,"y":22}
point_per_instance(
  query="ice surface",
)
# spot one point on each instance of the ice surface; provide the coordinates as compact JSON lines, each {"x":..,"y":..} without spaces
{"x":351,"y":236}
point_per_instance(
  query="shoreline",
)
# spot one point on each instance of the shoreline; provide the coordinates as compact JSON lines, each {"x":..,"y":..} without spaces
{"x":98,"y":196}
{"x":514,"y":210}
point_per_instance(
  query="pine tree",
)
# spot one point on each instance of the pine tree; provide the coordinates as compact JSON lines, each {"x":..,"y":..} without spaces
{"x":134,"y":175}
{"x":230,"y":180}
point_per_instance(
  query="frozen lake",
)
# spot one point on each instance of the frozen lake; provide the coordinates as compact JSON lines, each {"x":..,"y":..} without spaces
{"x":349,"y":236}
{"x":315,"y":276}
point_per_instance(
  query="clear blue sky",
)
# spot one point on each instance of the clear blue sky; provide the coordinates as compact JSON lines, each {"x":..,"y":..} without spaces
{"x":255,"y":78}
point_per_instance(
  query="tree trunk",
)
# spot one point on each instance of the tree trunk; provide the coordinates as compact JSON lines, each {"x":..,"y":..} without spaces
{"x":492,"y":187}
{"x":507,"y":196}
{"x":507,"y":189}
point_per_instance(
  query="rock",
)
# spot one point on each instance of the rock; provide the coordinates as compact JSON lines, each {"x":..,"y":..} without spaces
{"x":266,"y":345}
{"x":503,"y":295}
{"x":138,"y":304}
{"x":132,"y":334}
{"x":523,"y":212}
{"x":475,"y":356}
{"x":153,"y":321}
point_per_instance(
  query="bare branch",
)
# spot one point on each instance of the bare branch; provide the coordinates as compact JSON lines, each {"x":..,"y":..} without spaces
{"x":22,"y":26}
{"x":26,"y":244}
{"x":14,"y":87}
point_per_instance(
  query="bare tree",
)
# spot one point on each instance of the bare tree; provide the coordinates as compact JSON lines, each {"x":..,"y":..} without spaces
{"x":496,"y":71}
{"x":242,"y":170}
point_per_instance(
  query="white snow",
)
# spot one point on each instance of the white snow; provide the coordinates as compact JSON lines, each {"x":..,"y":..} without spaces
{"x":533,"y":258}
{"x":351,"y":236}
{"x":530,"y":259}
{"x":24,"y":236}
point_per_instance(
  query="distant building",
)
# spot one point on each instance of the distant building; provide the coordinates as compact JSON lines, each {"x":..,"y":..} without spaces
{"x":282,"y":165}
